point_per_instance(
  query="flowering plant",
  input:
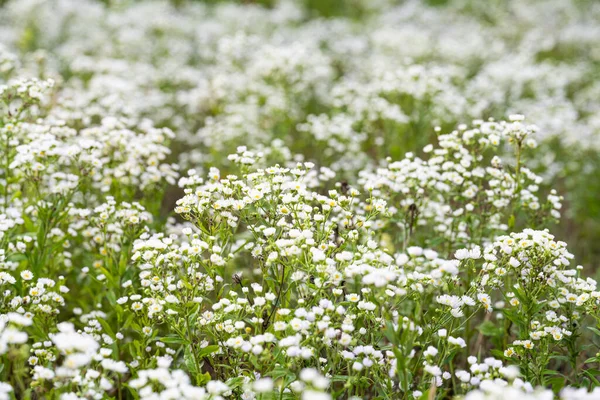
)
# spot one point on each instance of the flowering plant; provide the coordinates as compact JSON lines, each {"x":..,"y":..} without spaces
{"x":253,"y":202}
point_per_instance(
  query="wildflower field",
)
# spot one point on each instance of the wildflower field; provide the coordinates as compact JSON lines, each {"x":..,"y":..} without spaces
{"x":309,"y":199}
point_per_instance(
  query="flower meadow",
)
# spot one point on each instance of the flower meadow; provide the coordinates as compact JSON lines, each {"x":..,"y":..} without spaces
{"x":362,"y":199}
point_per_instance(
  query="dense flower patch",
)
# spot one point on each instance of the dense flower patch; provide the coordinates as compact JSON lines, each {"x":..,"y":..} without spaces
{"x":241,"y":201}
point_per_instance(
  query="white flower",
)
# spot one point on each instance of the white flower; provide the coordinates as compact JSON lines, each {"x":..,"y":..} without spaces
{"x":269,"y":231}
{"x":263,"y":385}
{"x":462,"y":254}
{"x":26,"y":275}
{"x":357,"y":366}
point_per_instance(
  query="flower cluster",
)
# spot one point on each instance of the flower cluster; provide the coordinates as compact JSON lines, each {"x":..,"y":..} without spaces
{"x":213,"y":200}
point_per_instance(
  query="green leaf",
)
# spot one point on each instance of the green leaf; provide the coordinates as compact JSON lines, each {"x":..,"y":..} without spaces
{"x":551,"y":372}
{"x":208,"y":350}
{"x":106,"y":327}
{"x":497,"y":353}
{"x":278,"y":373}
{"x":174,"y":339}
{"x":593,"y":374}
{"x":202,"y":379}
{"x":511,"y":221}
{"x":128,"y":321}
{"x":391,"y":333}
{"x":557,"y":383}
{"x":189,"y":361}
{"x":339,"y":378}
{"x":488,"y":328}
{"x":235,"y":382}
{"x":596,"y":331}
